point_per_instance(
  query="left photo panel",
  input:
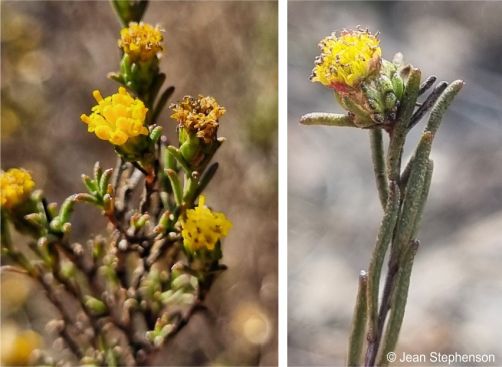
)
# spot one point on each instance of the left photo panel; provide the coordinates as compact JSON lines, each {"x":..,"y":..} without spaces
{"x":139,"y":183}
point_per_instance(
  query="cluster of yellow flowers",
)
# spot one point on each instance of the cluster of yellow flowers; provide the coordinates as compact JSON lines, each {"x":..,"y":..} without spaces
{"x":347,"y":60}
{"x":203,"y":228}
{"x":15,"y":186}
{"x":141,"y":41}
{"x":117,"y":118}
{"x":198,"y":115}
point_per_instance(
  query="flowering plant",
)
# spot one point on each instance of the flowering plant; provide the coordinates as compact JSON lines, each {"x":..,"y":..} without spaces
{"x":135,"y":287}
{"x":381,"y":96}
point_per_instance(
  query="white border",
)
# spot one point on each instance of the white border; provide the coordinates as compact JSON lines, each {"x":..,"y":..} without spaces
{"x":283,"y":182}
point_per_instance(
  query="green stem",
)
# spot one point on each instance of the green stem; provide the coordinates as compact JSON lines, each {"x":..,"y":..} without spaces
{"x":398,"y":304}
{"x":358,"y":323}
{"x":375,"y":268}
{"x":400,"y":129}
{"x":377,"y":155}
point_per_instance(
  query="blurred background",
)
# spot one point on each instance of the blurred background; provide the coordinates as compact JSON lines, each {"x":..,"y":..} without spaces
{"x":456,"y":287}
{"x":55,"y":53}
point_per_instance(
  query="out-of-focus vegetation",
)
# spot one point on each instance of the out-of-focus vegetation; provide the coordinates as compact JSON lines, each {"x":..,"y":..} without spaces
{"x":55,"y":53}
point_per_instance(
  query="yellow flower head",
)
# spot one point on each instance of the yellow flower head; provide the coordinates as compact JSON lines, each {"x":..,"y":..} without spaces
{"x":16,"y":185}
{"x":117,"y":118}
{"x":203,"y":228}
{"x":141,"y":41}
{"x":347,"y":60}
{"x":18,"y":346}
{"x":198,"y":115}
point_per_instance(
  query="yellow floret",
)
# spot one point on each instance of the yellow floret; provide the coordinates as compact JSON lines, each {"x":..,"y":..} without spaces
{"x":16,"y":185}
{"x":203,"y":228}
{"x":117,"y":118}
{"x":141,"y":41}
{"x":348,"y":59}
{"x":198,"y":115}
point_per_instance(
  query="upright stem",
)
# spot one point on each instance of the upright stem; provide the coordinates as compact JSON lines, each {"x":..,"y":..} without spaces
{"x":375,"y":268}
{"x":378,"y":158}
{"x":399,"y":304}
{"x":406,"y":223}
{"x":400,"y":129}
{"x":415,"y":182}
{"x":393,"y":166}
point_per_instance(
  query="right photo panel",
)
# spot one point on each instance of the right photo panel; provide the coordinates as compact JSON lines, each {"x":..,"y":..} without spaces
{"x":395,"y":183}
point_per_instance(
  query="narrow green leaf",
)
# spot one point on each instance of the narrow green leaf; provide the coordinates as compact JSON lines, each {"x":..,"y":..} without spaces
{"x":140,"y":8}
{"x":90,"y":184}
{"x":327,"y":119}
{"x":164,"y":97}
{"x":116,"y":77}
{"x":159,"y":79}
{"x":105,"y":180}
{"x":177,"y":155}
{"x":423,"y":197}
{"x":206,"y":178}
{"x":442,"y":104}
{"x":86,"y":198}
{"x":170,"y":161}
{"x":97,"y":171}
{"x":175,"y":184}
{"x":66,"y":209}
{"x":209,"y":155}
{"x":191,"y":187}
{"x":413,"y":193}
{"x":358,"y":323}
